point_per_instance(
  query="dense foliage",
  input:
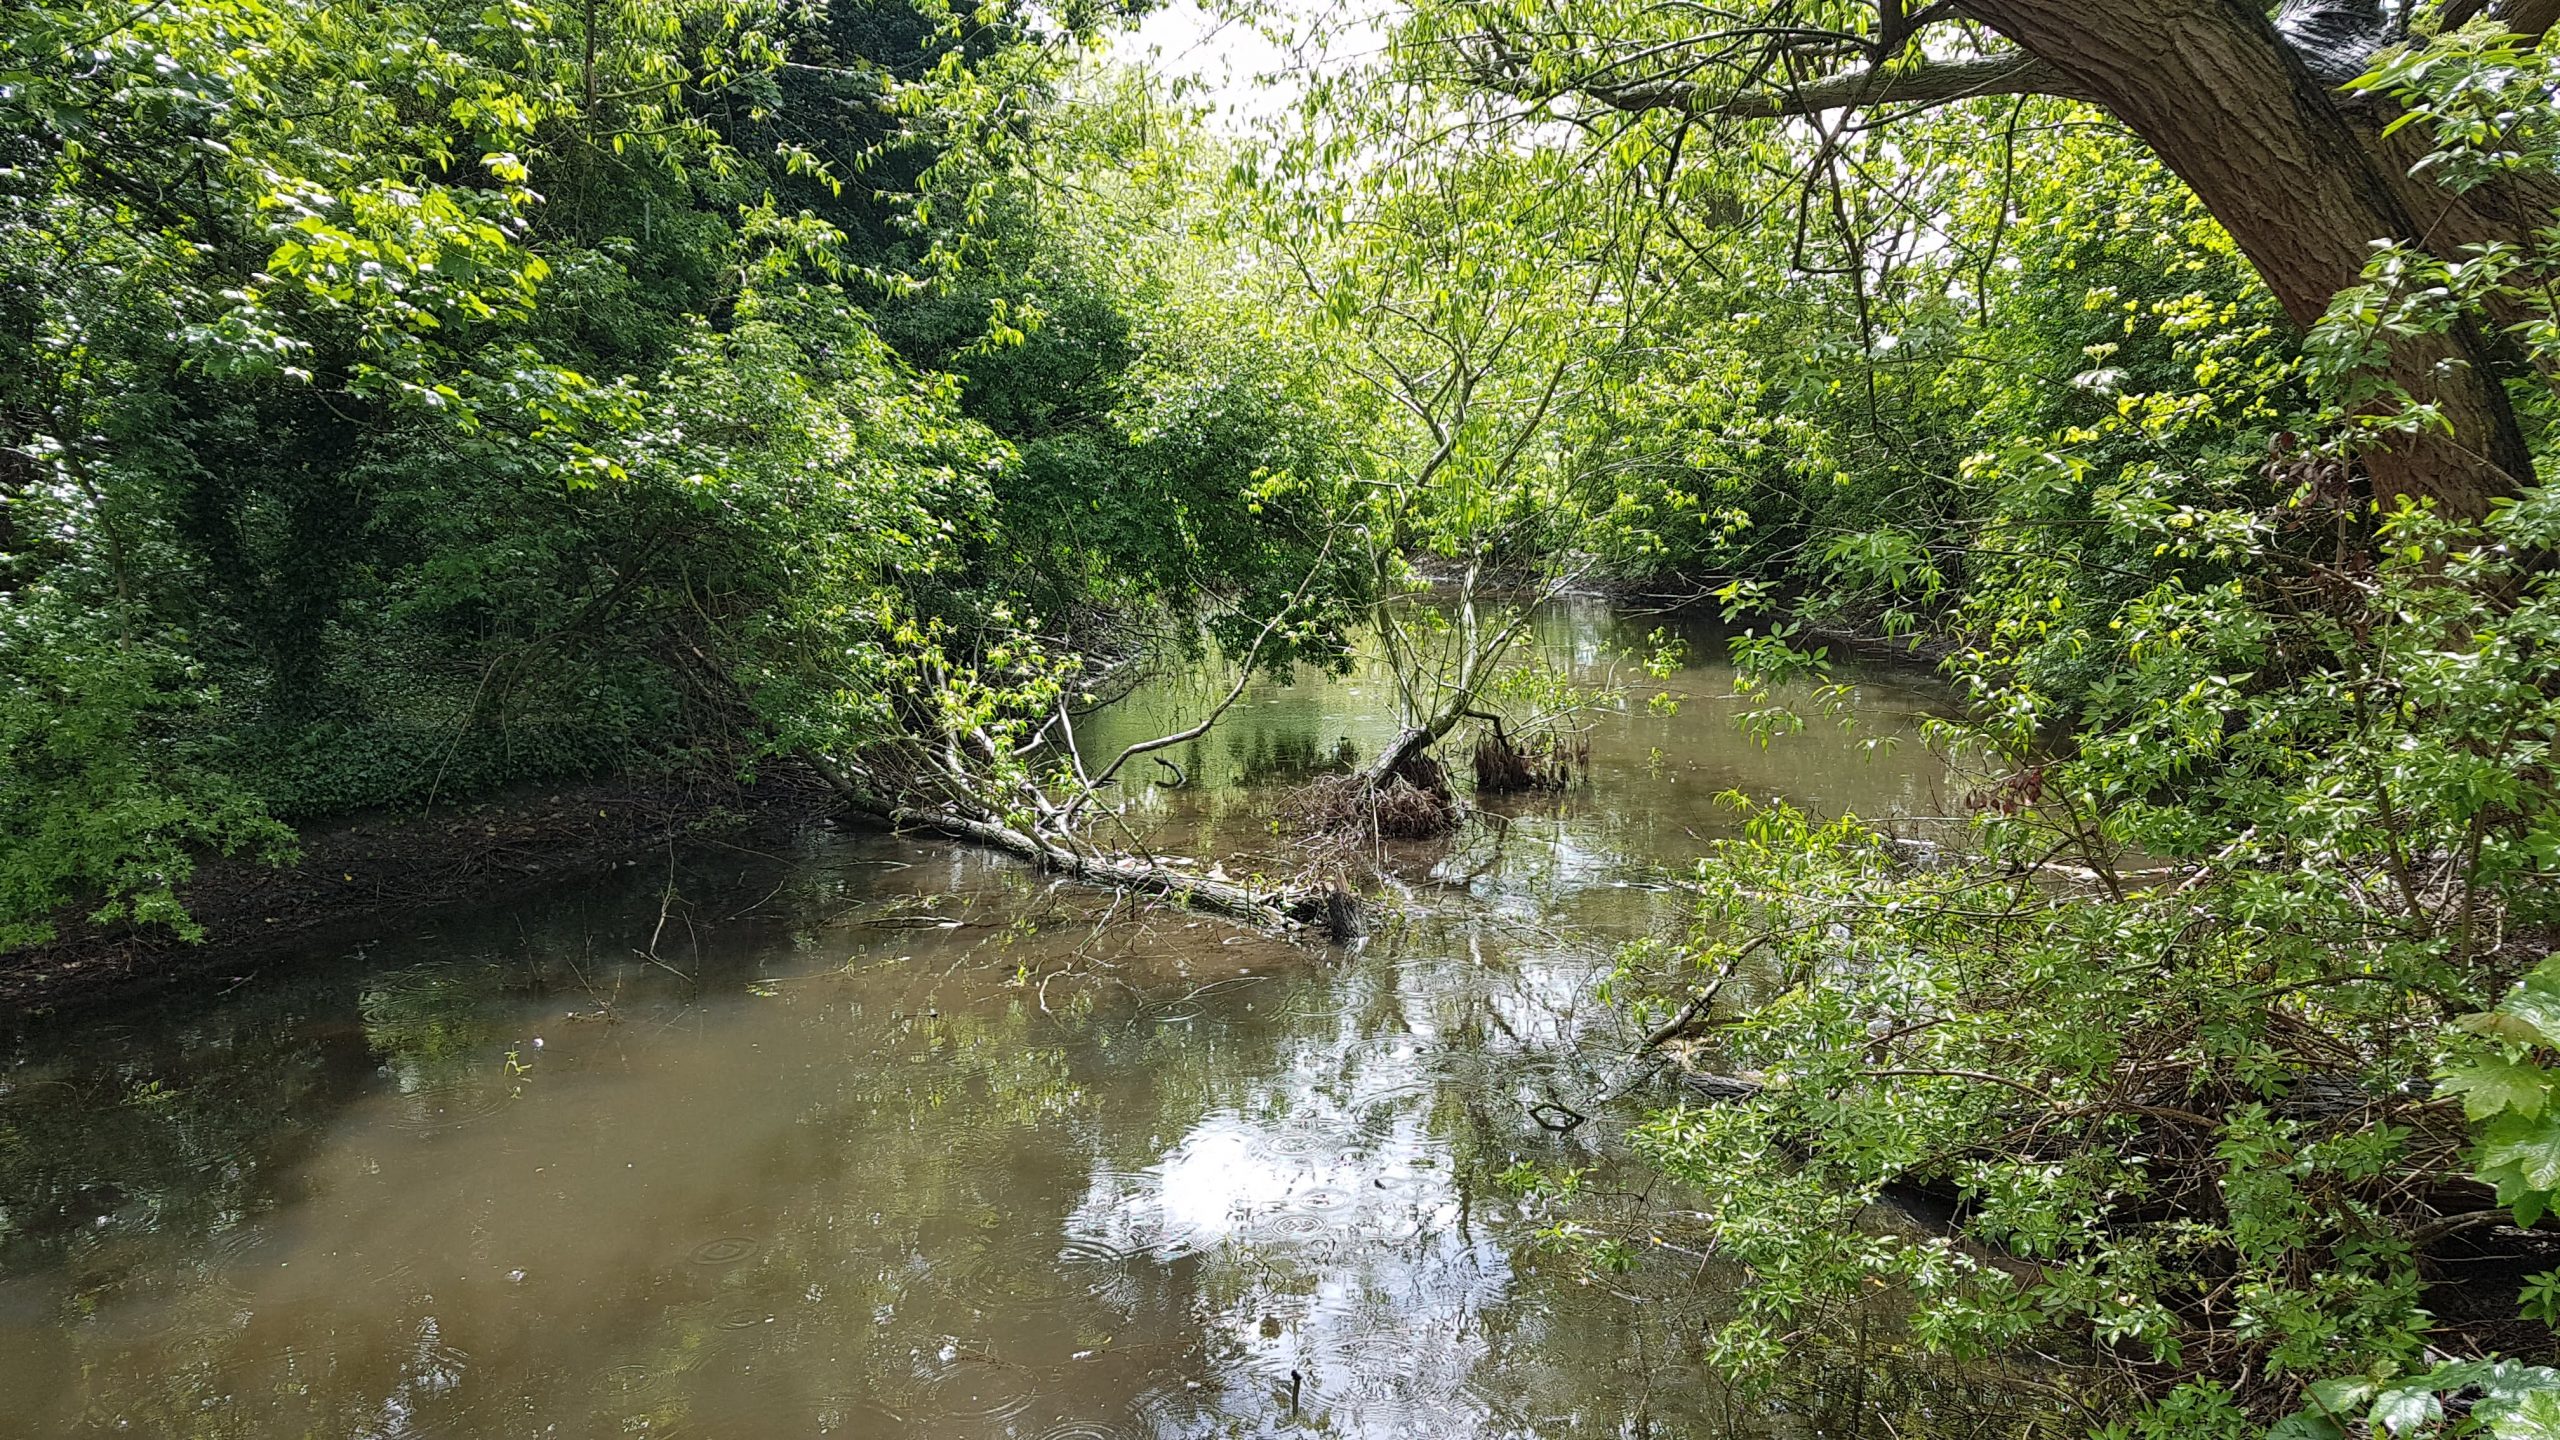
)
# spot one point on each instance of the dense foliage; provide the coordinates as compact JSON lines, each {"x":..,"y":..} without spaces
{"x":2221,"y":1031}
{"x":401,"y":403}
{"x":398,"y":405}
{"x":2220,"y":1028}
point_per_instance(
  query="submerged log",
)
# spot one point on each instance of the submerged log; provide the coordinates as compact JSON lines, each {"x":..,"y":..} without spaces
{"x":1329,"y":911}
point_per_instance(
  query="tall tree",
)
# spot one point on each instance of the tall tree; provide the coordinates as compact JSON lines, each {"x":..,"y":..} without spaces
{"x":2247,"y":107}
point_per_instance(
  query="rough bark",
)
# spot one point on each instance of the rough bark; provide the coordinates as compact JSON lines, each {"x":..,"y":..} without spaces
{"x":2525,"y":17}
{"x":2232,"y":108}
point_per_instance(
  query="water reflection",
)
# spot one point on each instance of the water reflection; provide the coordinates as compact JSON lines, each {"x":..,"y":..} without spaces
{"x":903,"y":1144}
{"x":1662,"y":750}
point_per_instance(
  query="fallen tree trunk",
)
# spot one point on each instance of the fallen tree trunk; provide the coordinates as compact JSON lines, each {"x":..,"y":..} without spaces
{"x":1325,"y":910}
{"x":1330,"y":911}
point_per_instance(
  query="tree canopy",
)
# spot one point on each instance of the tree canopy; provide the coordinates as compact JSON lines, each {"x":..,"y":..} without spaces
{"x":406,"y":402}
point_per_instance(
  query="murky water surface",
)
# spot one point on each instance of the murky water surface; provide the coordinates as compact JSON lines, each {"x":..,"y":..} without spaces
{"x":883,"y":1138}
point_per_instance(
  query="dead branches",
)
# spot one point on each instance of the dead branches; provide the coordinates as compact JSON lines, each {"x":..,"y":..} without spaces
{"x":1506,"y":766}
{"x":1411,"y":802}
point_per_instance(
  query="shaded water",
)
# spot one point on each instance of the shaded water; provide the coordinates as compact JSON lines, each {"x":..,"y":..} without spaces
{"x":893,"y":1139}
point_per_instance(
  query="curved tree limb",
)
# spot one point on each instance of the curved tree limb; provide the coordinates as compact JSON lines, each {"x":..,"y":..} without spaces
{"x":1936,"y":82}
{"x":1244,"y":679}
{"x":2529,"y":18}
{"x":1939,"y":82}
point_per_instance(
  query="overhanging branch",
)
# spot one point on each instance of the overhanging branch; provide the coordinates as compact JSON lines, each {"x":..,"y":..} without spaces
{"x":1940,"y":82}
{"x":1932,"y":83}
{"x":2529,"y":18}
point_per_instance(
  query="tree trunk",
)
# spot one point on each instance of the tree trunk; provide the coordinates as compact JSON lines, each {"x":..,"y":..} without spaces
{"x":1329,"y":910}
{"x":2304,"y":189}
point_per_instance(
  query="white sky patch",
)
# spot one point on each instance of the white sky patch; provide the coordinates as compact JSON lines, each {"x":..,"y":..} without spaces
{"x":1230,"y":66}
{"x":1233,"y":63}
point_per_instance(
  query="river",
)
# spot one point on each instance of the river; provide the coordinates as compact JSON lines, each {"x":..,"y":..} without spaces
{"x":872,"y":1136}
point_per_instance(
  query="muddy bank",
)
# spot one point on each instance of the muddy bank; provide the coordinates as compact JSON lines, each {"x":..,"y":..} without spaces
{"x":368,"y":871}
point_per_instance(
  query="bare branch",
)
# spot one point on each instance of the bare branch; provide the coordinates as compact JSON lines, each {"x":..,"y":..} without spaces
{"x":1500,"y":62}
{"x":1935,"y":83}
{"x":1244,"y":678}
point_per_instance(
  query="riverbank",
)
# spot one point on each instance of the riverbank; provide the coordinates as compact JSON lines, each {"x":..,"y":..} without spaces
{"x":899,"y":1138}
{"x":370,"y":871}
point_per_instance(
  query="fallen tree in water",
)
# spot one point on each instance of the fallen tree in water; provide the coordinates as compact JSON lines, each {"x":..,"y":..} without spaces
{"x":1410,"y":802}
{"x":966,"y":763}
{"x":1050,"y":841}
{"x":1446,"y":666}
{"x":1332,"y":911}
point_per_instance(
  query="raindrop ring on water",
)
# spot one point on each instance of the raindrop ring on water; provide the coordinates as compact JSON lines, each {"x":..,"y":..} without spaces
{"x":1088,"y":1430}
{"x":1086,"y":1250}
{"x":727,"y":1250}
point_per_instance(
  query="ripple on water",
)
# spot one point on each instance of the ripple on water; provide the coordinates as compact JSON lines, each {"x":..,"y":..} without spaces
{"x":1317,"y":1212}
{"x":1297,"y":1142}
{"x":1083,"y":1251}
{"x":236,"y":1244}
{"x":648,"y":1383}
{"x":982,"y":1392}
{"x":138,"y":1322}
{"x":1121,"y":1427}
{"x":1109,"y":1273}
{"x":727,"y":1250}
{"x":1393,"y":1093}
{"x":202,"y":1313}
{"x":1496,"y":1393}
{"x":1017,"y":1280}
{"x":1410,"y":1415}
{"x":1323,"y":1199}
{"x":1172,"y":1409}
{"x":629,"y":1380}
{"x":1450,"y":1290}
{"x":1293,"y":1223}
{"x":1388,"y":1393}
{"x":437,"y":1109}
{"x":750,"y":1419}
{"x":745,"y":1317}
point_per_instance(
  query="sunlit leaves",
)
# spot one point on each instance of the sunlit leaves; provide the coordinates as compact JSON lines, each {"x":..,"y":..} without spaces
{"x":94,"y":810}
{"x":2491,"y":1086}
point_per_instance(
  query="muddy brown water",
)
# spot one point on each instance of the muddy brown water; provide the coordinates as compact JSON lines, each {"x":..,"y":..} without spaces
{"x":879,"y":1137}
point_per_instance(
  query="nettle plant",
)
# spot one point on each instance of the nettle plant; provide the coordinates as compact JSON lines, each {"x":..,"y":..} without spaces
{"x":2241,"y":1006}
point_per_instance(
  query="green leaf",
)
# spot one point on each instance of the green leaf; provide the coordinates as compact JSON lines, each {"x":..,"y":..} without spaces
{"x":2408,"y":1408}
{"x":2532,"y":1148}
{"x":2536,"y":1002}
{"x":2345,"y":1394}
{"x":2535,"y":1416}
{"x":2490,"y":1085}
{"x":2522,"y":1401}
{"x":2499,"y":1025}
